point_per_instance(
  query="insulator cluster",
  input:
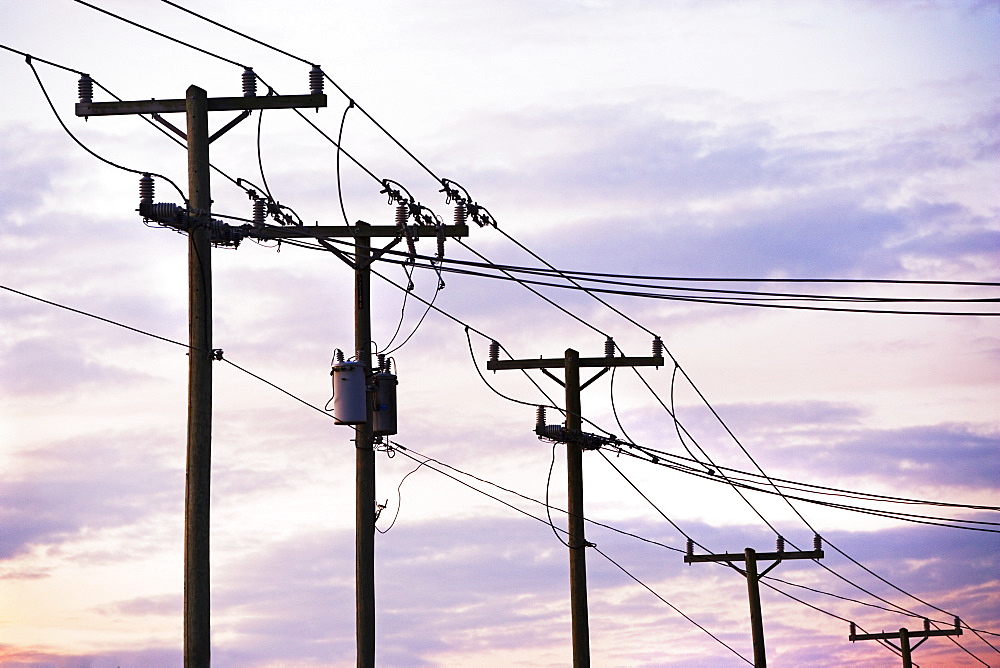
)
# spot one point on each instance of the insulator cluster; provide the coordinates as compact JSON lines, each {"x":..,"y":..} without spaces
{"x":176,"y":216}
{"x":315,"y":80}
{"x":86,"y":88}
{"x":560,"y":434}
{"x":249,"y":83}
{"x":609,"y":347}
{"x":164,"y":213}
{"x":146,"y":188}
{"x":402,"y":214}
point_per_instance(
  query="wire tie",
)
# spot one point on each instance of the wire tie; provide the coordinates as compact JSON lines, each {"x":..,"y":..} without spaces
{"x":217,"y":354}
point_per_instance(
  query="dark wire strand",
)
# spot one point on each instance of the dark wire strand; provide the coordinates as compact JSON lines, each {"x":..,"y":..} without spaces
{"x":548,"y":506}
{"x":399,"y":495}
{"x":573,"y":281}
{"x":670,"y":605}
{"x":650,"y":502}
{"x":260,"y":159}
{"x":748,"y":301}
{"x":325,"y":75}
{"x":97,"y":317}
{"x":931,"y":520}
{"x":551,"y":302}
{"x":816,"y":489}
{"x":160,"y":34}
{"x":340,"y":143}
{"x":236,"y":32}
{"x":79,"y":143}
{"x":30,"y":57}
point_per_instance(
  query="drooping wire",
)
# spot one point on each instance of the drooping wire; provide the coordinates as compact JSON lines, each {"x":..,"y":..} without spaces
{"x":72,"y":136}
{"x":340,"y":144}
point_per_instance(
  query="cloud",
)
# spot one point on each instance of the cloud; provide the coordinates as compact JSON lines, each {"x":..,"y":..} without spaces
{"x":56,"y":494}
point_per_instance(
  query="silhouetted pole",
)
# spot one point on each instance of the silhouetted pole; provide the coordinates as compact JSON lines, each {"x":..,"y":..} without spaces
{"x":364,"y":563}
{"x":576,"y":538}
{"x":756,"y":618}
{"x":197,"y":591}
{"x":905,"y":648}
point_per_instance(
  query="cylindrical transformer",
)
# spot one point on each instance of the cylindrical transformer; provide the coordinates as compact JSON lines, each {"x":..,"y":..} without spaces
{"x":349,"y":393}
{"x":384,"y":409}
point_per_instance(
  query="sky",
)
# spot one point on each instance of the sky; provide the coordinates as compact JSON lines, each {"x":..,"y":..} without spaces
{"x":834,"y":139}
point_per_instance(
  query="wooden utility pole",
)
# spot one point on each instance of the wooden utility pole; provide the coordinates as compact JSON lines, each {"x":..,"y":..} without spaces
{"x":750,"y":558}
{"x":196,"y":105}
{"x":197,"y":592}
{"x":571,"y":363}
{"x":364,"y":443}
{"x":364,"y":545}
{"x":905,"y":648}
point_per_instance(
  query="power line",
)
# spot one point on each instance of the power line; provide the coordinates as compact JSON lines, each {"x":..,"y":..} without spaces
{"x":161,"y":34}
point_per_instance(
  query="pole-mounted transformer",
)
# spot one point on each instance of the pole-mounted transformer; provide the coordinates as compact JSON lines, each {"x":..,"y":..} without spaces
{"x":349,"y":391}
{"x":384,"y":384}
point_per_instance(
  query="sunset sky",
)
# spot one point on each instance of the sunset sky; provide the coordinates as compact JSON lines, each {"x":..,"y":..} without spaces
{"x":726,"y":139}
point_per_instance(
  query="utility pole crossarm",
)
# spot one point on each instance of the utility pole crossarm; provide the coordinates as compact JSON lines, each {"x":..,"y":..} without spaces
{"x":560,"y":363}
{"x":214,"y":104}
{"x":741,"y":556}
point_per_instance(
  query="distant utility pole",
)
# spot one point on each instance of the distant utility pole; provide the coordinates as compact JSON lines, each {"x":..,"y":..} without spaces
{"x":905,"y":648}
{"x":750,"y":557}
{"x":200,"y":228}
{"x":576,"y":442}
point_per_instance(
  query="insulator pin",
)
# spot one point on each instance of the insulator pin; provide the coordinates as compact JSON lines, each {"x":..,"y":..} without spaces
{"x":402,"y":214}
{"x":315,"y":80}
{"x":249,"y":83}
{"x":817,"y":542}
{"x":609,"y":347}
{"x":146,"y":189}
{"x":657,"y":347}
{"x":494,"y":351}
{"x":690,"y":547}
{"x":539,"y":418}
{"x":259,"y":212}
{"x":781,"y":543}
{"x":86,"y":88}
